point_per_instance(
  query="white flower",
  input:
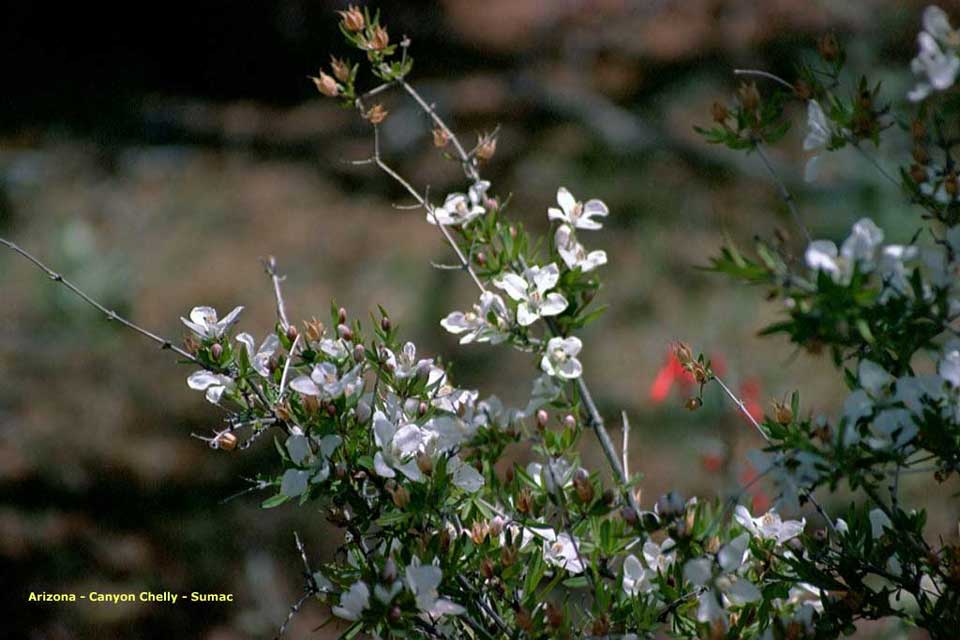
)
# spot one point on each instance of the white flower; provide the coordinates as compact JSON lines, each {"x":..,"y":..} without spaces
{"x":397,"y":448}
{"x":460,"y":209}
{"x":545,"y":389}
{"x":560,"y":358}
{"x":260,"y":358}
{"x":531,"y":292}
{"x":817,"y":138}
{"x":573,"y":253}
{"x":423,"y":580}
{"x":464,"y":475}
{"x":769,"y":526}
{"x":935,"y":67}
{"x":203,"y":321}
{"x":562,"y":552}
{"x":858,"y":250}
{"x":577,"y":214}
{"x":488,"y":322}
{"x":406,"y":365}
{"x":324,"y":381}
{"x":734,"y":589}
{"x":353,"y":602}
{"x":214,"y":384}
{"x":636,"y":579}
{"x":659,"y":557}
{"x":949,"y":367}
{"x":879,"y":522}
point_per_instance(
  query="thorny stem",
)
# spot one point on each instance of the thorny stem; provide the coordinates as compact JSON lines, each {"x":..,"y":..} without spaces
{"x":109,"y":313}
{"x":785,"y":194}
{"x":310,"y":589}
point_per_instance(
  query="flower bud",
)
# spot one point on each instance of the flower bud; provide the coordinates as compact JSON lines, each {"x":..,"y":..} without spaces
{"x":480,"y":258}
{"x":683,"y":354}
{"x":341,"y":70}
{"x":395,"y":615}
{"x":496,"y":526}
{"x":226,"y":441}
{"x":376,"y":114}
{"x":782,"y":413}
{"x":486,"y":147}
{"x":358,"y":352}
{"x":345,"y":332}
{"x":508,"y":555}
{"x":569,"y":422}
{"x":719,"y":113}
{"x":363,"y":411}
{"x":331,"y":409}
{"x":313,"y":329}
{"x":508,"y":475}
{"x":583,"y":486}
{"x":828,"y":47}
{"x":401,"y":497}
{"x":609,"y":497}
{"x":542,"y":419}
{"x":692,"y":404}
{"x":487,"y":568}
{"x":292,"y":332}
{"x":340,"y":471}
{"x":352,"y":19}
{"x":670,"y":505}
{"x":379,"y":40}
{"x":629,"y":515}
{"x":440,"y":137}
{"x":389,"y":573}
{"x":326,"y":85}
{"x":424,"y":463}
{"x":700,"y":373}
{"x":385,"y":324}
{"x":341,"y":315}
{"x":524,"y":501}
{"x":749,"y":96}
{"x":216,"y":351}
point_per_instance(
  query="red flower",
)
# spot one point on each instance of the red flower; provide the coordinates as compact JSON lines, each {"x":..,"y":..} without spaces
{"x":672,"y":372}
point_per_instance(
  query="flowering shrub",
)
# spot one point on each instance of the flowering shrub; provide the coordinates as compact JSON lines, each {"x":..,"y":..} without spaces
{"x":438,"y":540}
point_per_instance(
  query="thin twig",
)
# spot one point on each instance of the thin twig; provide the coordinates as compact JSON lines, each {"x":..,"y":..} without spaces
{"x":270,"y":264}
{"x":310,"y":589}
{"x":784,"y":192}
{"x":286,"y":367}
{"x":625,"y":444}
{"x":763,"y":74}
{"x":109,"y":313}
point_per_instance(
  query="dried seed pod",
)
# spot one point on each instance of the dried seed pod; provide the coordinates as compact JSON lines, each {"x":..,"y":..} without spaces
{"x":352,"y":19}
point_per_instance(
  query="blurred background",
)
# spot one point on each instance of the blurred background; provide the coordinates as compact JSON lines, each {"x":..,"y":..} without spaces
{"x":155,"y":153}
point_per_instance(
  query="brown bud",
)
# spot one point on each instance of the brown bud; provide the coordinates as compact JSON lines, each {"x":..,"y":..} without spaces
{"x":782,"y":412}
{"x":326,"y":85}
{"x":508,"y":555}
{"x":379,"y":40}
{"x":608,"y":497}
{"x":828,"y":47}
{"x":524,"y":501}
{"x":700,"y":373}
{"x":191,"y":345}
{"x":352,"y":19}
{"x":918,"y":129}
{"x":802,"y":90}
{"x":554,"y":615}
{"x":385,"y":324}
{"x":377,"y":114}
{"x":443,"y":538}
{"x":292,"y":332}
{"x":401,"y":497}
{"x":395,"y":615}
{"x":440,"y":137}
{"x":496,"y":526}
{"x":600,"y":626}
{"x":749,"y":96}
{"x":542,"y":418}
{"x":486,"y":147}
{"x":345,"y":332}
{"x":424,"y":463}
{"x":508,"y":475}
{"x":682,"y":353}
{"x":422,"y":408}
{"x":341,"y":70}
{"x":950,"y":184}
{"x":389,"y":573}
{"x":331,"y":409}
{"x":719,"y":112}
{"x":569,"y":422}
{"x":629,"y":515}
{"x":216,"y":351}
{"x":358,"y":352}
{"x":311,"y":404}
{"x":692,"y":404}
{"x":486,"y":568}
{"x":523,"y":620}
{"x":479,"y":531}
{"x":340,"y":471}
{"x":226,"y":441}
{"x":341,"y":315}
{"x":313,"y":329}
{"x":583,"y":486}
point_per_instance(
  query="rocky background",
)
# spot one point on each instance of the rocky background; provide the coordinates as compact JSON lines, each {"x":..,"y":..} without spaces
{"x":155,"y":153}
